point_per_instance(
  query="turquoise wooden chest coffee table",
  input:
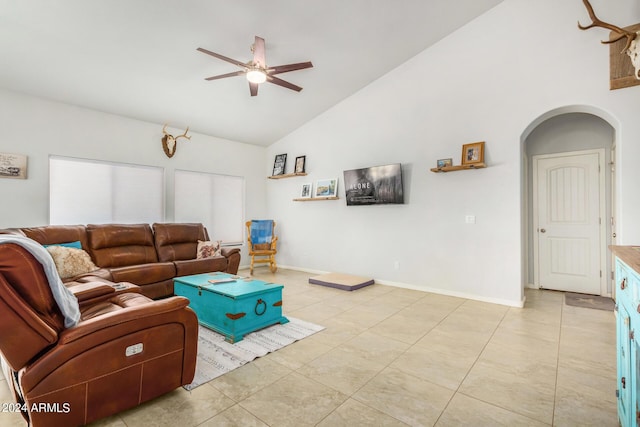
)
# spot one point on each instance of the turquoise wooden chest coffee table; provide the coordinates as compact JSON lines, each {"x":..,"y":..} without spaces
{"x":233,"y":308}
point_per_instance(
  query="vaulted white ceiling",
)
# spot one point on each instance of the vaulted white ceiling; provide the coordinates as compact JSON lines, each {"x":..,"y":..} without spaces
{"x":138,"y":58}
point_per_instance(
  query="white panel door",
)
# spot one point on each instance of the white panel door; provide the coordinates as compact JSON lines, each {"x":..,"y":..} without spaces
{"x":569,"y":224}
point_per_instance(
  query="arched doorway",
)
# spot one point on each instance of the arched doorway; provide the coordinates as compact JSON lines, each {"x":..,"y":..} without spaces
{"x":567,"y":133}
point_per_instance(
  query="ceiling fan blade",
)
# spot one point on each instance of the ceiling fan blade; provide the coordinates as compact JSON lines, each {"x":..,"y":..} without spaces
{"x":289,"y":67}
{"x":224,"y":58}
{"x":258,"y":52}
{"x":222,"y":76}
{"x":253,"y":88}
{"x":283,"y":83}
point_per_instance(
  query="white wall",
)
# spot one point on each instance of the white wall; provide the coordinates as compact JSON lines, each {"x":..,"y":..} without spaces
{"x":39,"y":128}
{"x":488,"y":81}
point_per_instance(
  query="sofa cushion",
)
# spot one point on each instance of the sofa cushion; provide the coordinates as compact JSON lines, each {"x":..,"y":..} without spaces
{"x":71,"y":261}
{"x":178,"y":241}
{"x":119,"y":245}
{"x":56,"y":234}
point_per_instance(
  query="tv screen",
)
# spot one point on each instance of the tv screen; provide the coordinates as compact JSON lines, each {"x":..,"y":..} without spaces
{"x":376,"y":185}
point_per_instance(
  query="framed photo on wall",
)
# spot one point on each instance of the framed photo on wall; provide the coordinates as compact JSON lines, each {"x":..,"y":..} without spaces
{"x":306,"y":191}
{"x":327,"y":187}
{"x":473,"y":153}
{"x":13,"y":166}
{"x":300,"y":161}
{"x":279,"y":164}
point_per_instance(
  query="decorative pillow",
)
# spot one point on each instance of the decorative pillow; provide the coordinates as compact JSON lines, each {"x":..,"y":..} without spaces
{"x":75,"y":244}
{"x":209,"y":249}
{"x":71,"y":262}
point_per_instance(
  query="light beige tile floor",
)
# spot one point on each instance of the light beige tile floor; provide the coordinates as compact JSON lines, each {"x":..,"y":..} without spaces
{"x":394,"y":357}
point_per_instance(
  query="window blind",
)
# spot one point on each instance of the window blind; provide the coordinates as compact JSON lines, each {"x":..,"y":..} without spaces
{"x":90,"y":191}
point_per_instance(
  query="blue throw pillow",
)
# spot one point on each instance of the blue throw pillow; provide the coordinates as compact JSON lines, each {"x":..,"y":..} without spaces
{"x":76,"y":245}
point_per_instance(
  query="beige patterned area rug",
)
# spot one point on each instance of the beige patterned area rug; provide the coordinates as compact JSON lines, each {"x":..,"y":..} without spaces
{"x":589,"y":301}
{"x":217,"y":357}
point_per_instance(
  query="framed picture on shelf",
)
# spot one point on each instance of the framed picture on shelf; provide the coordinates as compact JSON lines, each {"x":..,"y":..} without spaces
{"x":300,"y":161}
{"x":442,"y":163}
{"x":473,"y":153}
{"x":279,"y":164}
{"x":306,"y":191}
{"x":326,"y":187}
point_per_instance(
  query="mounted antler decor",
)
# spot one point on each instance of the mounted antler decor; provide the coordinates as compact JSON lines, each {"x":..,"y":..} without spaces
{"x":622,"y":71}
{"x":170,"y":143}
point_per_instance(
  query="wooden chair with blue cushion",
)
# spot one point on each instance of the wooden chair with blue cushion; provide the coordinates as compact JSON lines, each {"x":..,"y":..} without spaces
{"x":262,"y":243}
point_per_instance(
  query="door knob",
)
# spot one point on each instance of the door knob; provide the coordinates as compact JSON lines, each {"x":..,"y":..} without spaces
{"x":542,"y":230}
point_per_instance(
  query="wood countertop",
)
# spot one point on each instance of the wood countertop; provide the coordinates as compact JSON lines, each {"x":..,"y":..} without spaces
{"x":629,"y":254}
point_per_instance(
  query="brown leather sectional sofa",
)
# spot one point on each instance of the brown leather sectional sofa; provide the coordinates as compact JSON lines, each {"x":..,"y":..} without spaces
{"x":149,"y":256}
{"x":125,"y":349}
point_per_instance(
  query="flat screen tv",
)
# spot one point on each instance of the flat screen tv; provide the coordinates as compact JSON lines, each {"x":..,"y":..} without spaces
{"x":377,"y":185}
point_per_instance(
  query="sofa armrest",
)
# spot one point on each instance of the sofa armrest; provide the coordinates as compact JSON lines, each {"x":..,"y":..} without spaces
{"x":233,"y":259}
{"x":90,"y":290}
{"x":134,"y":313}
{"x":199,"y":266}
{"x":227,"y":252}
{"x":96,"y":290}
{"x":144,"y":274}
{"x":108,"y":326}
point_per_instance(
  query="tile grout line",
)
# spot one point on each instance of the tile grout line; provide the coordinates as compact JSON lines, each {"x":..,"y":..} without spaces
{"x":555,"y":389}
{"x":457,"y":390}
{"x":388,"y":365}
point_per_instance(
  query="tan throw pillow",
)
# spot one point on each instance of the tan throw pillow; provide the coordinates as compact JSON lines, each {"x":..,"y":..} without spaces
{"x":71,"y":262}
{"x":209,"y":249}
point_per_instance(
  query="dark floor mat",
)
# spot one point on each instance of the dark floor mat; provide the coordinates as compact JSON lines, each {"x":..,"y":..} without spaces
{"x":589,"y":301}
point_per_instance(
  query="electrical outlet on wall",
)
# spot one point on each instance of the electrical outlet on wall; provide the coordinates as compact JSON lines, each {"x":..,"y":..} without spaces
{"x":470,"y":219}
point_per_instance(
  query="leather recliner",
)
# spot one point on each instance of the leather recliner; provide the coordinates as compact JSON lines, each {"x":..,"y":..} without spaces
{"x":126,"y":349}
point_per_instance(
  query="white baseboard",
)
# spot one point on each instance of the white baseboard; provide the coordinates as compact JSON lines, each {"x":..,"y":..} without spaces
{"x":286,"y":267}
{"x":510,"y":303}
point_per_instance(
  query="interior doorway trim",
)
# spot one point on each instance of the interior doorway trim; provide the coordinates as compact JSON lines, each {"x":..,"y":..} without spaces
{"x":576,"y":108}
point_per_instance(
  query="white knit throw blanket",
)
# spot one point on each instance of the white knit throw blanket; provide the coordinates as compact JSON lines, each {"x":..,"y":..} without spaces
{"x":67,"y":302}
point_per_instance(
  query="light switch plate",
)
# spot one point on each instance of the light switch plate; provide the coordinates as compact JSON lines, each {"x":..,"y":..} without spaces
{"x":470,"y":219}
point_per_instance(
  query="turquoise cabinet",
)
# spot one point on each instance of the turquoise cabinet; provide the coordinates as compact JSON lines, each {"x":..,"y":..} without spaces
{"x":627,"y":326}
{"x":231,"y":305}
{"x":623,"y":388}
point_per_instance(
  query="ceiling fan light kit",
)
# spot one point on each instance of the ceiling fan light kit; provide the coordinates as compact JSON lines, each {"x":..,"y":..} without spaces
{"x":256,"y":71}
{"x":256,"y":76}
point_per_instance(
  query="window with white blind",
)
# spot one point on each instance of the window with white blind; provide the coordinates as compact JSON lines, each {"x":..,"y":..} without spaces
{"x":217,"y":201}
{"x":90,"y":191}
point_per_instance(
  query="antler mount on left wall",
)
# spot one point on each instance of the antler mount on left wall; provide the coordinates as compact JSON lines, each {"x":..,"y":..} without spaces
{"x":170,"y":143}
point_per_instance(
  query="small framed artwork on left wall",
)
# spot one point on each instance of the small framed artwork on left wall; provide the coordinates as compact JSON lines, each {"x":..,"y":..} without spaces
{"x":13,"y":166}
